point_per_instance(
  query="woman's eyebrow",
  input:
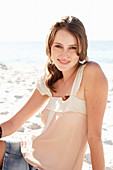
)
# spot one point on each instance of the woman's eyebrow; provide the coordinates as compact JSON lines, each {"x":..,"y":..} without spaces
{"x":62,"y":44}
{"x":58,"y":43}
{"x":73,"y":45}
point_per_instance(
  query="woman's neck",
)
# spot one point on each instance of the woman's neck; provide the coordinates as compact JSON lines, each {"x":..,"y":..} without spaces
{"x":68,"y":74}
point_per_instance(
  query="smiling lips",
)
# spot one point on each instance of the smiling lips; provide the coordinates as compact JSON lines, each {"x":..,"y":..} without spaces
{"x":64,"y":62}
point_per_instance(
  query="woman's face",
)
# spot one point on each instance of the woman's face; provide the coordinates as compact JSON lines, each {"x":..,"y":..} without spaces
{"x":64,"y":51}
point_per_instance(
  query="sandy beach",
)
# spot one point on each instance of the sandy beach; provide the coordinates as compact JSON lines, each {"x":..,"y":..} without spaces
{"x":17,"y":82}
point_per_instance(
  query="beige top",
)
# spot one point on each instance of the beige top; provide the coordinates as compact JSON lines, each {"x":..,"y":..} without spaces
{"x":62,"y":143}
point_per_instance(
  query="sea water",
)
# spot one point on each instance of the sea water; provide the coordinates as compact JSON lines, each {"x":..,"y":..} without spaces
{"x":23,"y":52}
{"x":35,"y":52}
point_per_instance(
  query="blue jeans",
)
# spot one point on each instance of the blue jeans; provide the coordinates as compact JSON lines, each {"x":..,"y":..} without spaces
{"x":13,"y":159}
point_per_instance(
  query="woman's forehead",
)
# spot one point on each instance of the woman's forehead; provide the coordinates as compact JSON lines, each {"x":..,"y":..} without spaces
{"x":64,"y":36}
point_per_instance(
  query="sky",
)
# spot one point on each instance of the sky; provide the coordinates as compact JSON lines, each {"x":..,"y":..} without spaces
{"x":30,"y":20}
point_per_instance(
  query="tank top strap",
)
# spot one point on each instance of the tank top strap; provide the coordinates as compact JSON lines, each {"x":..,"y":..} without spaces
{"x":78,"y":79}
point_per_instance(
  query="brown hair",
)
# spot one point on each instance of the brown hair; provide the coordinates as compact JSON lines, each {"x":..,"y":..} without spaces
{"x":76,"y":28}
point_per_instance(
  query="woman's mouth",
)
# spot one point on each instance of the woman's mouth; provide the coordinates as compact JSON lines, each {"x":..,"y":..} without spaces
{"x":64,"y":62}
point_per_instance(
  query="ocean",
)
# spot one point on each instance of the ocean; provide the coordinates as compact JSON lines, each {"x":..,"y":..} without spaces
{"x":34,"y":52}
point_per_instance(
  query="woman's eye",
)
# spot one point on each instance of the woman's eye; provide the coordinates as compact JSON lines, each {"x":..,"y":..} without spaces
{"x":73,"y":48}
{"x":58,"y":46}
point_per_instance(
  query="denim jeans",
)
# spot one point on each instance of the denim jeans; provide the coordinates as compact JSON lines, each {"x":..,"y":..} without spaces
{"x":13,"y":159}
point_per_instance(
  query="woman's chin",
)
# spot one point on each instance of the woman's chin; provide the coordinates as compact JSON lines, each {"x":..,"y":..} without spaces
{"x":62,"y":68}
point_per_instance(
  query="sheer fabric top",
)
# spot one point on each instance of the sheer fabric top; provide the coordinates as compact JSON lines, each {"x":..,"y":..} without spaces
{"x":63,"y":141}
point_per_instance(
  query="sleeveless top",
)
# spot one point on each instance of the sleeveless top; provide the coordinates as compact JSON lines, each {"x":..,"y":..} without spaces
{"x":63,"y":142}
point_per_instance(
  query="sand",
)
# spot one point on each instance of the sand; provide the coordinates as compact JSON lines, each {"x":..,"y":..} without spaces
{"x":17,"y":82}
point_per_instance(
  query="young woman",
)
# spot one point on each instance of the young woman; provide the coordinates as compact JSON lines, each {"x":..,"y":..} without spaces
{"x":77,"y":93}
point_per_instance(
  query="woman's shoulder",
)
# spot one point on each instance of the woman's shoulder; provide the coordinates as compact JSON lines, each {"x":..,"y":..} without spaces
{"x":92,"y":66}
{"x":41,"y":84}
{"x":93,"y":72}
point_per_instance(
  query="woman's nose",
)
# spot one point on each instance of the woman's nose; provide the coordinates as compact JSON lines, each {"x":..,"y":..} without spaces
{"x":65,"y":54}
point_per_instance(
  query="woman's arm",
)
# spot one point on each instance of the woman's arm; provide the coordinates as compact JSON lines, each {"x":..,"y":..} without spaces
{"x":96,"y":90}
{"x":31,"y":107}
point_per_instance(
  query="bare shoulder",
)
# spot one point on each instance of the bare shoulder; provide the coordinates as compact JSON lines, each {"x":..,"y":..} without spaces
{"x":93,"y":72}
{"x":92,"y":67}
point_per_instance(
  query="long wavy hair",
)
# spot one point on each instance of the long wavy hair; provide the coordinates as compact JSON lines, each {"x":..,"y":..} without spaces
{"x":76,"y":28}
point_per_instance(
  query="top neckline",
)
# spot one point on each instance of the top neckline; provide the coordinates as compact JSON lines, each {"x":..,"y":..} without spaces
{"x":73,"y":85}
